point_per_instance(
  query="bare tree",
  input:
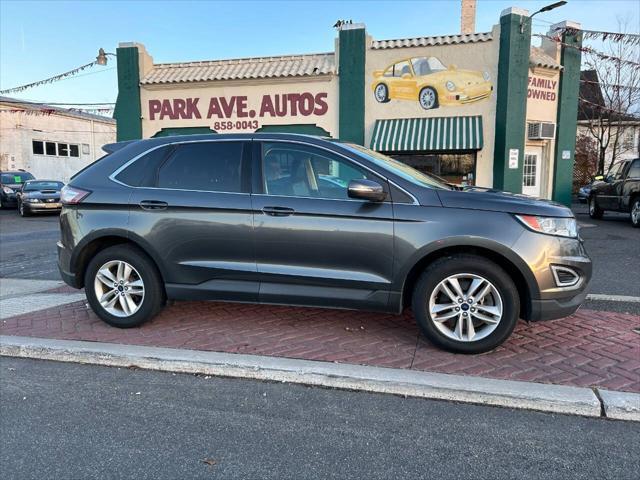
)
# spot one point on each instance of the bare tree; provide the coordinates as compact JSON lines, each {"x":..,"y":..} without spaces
{"x":618,"y":80}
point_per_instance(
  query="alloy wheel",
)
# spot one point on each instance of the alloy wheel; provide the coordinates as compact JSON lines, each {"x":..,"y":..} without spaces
{"x":119,"y":288}
{"x":465,"y":307}
{"x":427,"y":98}
{"x":381,"y":93}
{"x":635,"y":212}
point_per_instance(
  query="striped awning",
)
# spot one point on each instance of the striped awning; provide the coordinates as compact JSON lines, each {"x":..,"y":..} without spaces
{"x":427,"y":134}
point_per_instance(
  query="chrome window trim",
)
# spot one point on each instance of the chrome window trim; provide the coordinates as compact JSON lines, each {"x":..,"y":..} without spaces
{"x":179,"y":142}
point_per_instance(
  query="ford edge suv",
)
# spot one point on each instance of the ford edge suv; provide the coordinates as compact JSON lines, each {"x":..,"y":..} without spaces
{"x":301,"y":220}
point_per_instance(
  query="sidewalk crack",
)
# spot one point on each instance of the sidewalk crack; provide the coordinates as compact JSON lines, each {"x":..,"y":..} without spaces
{"x":415,"y":350}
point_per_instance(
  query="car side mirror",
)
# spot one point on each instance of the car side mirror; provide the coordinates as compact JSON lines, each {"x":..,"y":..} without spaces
{"x":366,"y":190}
{"x":452,"y":67}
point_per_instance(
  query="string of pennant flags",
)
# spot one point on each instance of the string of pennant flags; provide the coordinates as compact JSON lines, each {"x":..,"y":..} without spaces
{"x":55,"y":78}
{"x":49,"y":111}
{"x":611,"y":85}
{"x":607,"y":109}
{"x":592,"y":51}
{"x":618,"y":37}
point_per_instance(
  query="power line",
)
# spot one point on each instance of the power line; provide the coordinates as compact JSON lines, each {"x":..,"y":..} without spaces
{"x":35,"y":103}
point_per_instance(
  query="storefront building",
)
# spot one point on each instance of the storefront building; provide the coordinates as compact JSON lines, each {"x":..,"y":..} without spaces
{"x":484,"y":109}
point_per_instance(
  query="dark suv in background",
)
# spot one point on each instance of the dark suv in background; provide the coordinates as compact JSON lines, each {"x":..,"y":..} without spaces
{"x":294,"y":219}
{"x":10,"y":183}
{"x":618,"y":191}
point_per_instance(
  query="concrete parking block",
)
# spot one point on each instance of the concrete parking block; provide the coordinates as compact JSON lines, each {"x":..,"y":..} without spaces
{"x":504,"y":393}
{"x":621,"y":405}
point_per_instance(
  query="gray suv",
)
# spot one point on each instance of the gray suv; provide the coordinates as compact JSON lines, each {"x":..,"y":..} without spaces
{"x":300,"y":220}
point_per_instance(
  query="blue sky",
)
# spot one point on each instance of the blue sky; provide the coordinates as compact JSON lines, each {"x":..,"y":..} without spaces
{"x":39,"y":39}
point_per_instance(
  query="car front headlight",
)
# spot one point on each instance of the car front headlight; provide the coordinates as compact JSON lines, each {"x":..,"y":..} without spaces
{"x":7,"y":190}
{"x":486,"y":76}
{"x":32,"y":200}
{"x":450,"y":86}
{"x":560,"y":227}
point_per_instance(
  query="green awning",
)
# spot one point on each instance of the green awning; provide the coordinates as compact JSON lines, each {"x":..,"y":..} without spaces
{"x":427,"y":134}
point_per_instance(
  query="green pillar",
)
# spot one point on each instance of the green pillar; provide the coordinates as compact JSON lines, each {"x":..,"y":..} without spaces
{"x":567,"y":116}
{"x":128,"y":110}
{"x":351,"y":80}
{"x":511,"y":103}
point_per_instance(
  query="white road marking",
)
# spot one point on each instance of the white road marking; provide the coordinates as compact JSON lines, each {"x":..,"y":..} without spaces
{"x":11,"y":307}
{"x":612,"y":298}
{"x":19,"y":287}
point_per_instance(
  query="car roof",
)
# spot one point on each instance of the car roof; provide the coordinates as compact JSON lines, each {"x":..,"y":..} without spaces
{"x":114,"y":147}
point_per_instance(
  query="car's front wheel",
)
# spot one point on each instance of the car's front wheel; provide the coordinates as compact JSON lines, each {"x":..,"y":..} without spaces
{"x":594,"y":210}
{"x":428,"y":98}
{"x":123,"y":286}
{"x":466,"y":304}
{"x":635,"y":212}
{"x":24,"y":212}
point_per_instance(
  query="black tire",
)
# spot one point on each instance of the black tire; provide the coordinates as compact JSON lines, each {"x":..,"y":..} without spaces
{"x":381,"y":93}
{"x":24,"y":212}
{"x":469,"y":264}
{"x":154,"y":294}
{"x":635,"y":212}
{"x":432,"y":105}
{"x":594,"y":210}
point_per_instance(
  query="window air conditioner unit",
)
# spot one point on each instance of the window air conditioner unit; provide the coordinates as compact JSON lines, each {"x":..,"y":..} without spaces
{"x":541,"y":131}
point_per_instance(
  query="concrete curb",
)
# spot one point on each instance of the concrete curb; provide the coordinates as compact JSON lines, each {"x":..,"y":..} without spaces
{"x":620,"y":405}
{"x":504,"y":393}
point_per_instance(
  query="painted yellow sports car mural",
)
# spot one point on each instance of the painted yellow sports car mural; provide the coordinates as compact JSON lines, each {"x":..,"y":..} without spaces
{"x":428,"y":81}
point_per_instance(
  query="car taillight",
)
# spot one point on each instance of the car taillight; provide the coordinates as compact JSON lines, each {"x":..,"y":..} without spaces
{"x":72,"y":196}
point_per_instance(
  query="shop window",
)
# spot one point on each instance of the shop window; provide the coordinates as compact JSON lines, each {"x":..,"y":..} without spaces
{"x":458,"y":168}
{"x":38,"y":147}
{"x":50,"y":148}
{"x":74,"y":151}
{"x":63,"y":149}
{"x":529,"y":170}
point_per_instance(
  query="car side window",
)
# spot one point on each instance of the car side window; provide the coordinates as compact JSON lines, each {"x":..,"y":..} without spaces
{"x":205,"y":166}
{"x":142,"y":172}
{"x":294,"y":170}
{"x":402,"y":68}
{"x":634,"y":171}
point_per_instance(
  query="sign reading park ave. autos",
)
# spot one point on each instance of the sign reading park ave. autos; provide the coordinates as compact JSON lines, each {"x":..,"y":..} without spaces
{"x":239,"y":112}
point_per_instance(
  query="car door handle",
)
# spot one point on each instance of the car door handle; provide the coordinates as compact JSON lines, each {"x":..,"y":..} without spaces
{"x":278,"y":211}
{"x":153,"y":205}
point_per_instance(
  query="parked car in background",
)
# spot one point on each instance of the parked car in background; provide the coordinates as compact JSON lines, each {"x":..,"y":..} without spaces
{"x":38,"y":196}
{"x":256,"y":218}
{"x":618,"y":191}
{"x":10,"y":182}
{"x":584,"y":192}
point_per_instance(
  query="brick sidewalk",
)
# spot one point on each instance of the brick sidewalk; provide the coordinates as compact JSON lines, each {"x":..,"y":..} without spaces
{"x":588,"y":349}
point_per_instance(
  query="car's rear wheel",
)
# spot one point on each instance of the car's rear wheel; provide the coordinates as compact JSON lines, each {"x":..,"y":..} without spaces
{"x":635,"y":212}
{"x":124,"y":287}
{"x":381,"y":93}
{"x":594,"y":210}
{"x":428,"y":98}
{"x":466,"y":304}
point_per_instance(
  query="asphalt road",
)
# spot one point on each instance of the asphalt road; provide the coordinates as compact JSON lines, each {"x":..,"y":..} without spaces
{"x":79,"y":421}
{"x":28,"y":250}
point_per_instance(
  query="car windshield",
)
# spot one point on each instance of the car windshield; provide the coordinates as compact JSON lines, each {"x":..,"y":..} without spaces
{"x":401,"y":169}
{"x":15,"y":178}
{"x":35,"y":186}
{"x":425,"y":66}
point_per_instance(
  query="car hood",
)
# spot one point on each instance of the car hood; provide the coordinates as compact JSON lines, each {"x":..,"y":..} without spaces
{"x":42,"y":194}
{"x":13,"y":186}
{"x":478,"y":198}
